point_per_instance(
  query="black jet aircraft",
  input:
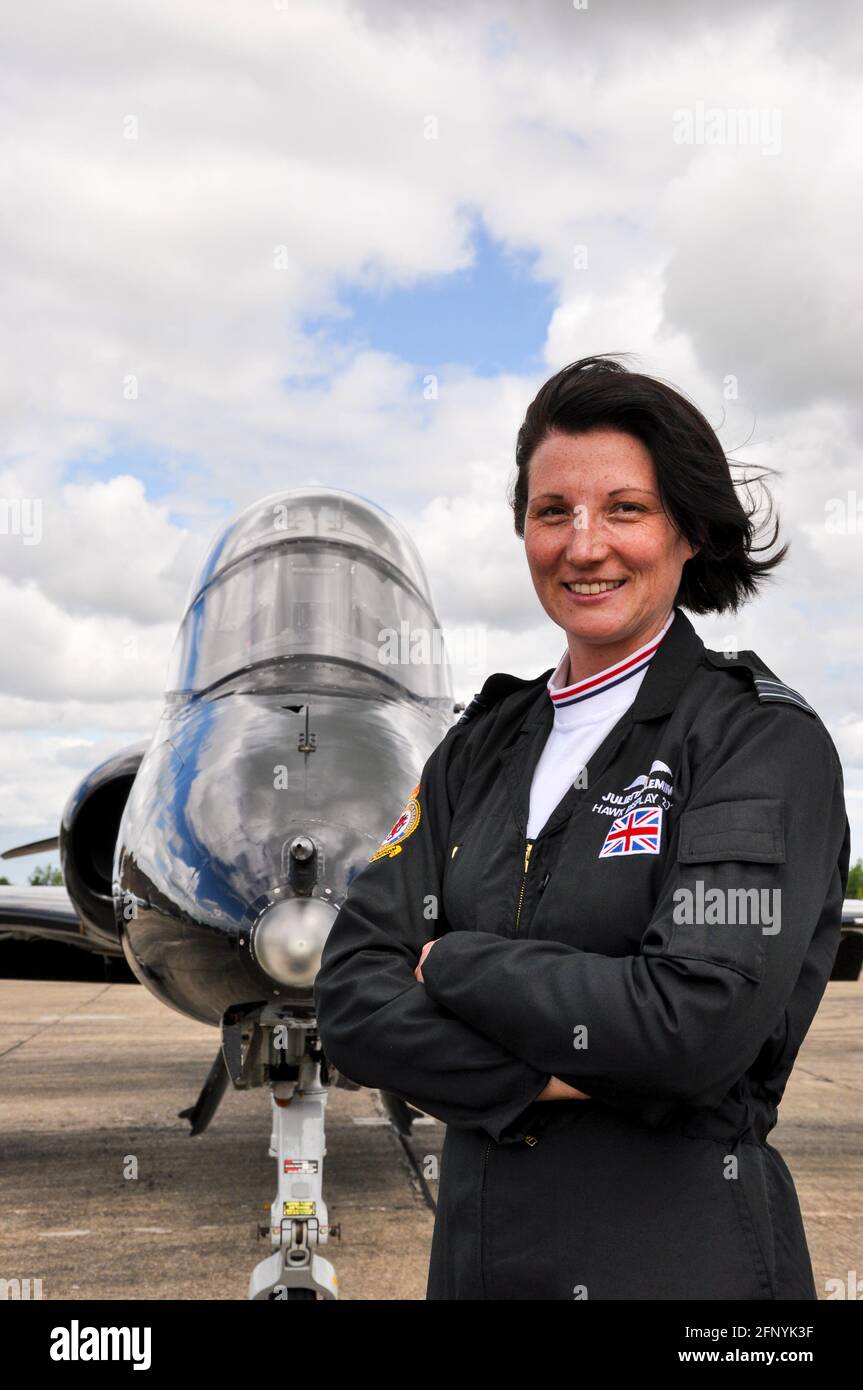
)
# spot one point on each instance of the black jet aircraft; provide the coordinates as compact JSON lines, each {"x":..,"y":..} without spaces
{"x":306,"y":688}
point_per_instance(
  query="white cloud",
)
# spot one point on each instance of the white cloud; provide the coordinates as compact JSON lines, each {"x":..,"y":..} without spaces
{"x":303,"y":127}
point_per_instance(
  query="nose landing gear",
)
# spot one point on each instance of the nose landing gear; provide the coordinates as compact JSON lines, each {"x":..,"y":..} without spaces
{"x":298,"y":1216}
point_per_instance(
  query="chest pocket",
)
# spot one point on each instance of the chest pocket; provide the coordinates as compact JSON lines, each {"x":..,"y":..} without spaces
{"x":460,"y":883}
{"x":726,"y":905}
{"x":481,"y":879}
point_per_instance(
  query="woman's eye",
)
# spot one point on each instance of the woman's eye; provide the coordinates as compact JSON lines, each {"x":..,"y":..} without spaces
{"x":554,"y":510}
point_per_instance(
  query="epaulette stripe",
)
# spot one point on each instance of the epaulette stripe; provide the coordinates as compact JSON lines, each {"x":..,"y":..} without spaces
{"x":787,"y":700}
{"x":771,"y":686}
{"x":778,"y":691}
{"x":779,"y":685}
{"x":766,"y":687}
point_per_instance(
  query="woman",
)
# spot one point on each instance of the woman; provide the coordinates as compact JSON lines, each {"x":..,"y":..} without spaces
{"x":597,"y":942}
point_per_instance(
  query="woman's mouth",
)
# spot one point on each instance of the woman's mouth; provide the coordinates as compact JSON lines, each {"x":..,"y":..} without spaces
{"x":593,"y":589}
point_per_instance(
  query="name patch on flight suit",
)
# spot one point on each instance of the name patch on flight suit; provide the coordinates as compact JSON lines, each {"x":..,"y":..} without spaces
{"x":637,"y":812}
{"x":404,"y":826}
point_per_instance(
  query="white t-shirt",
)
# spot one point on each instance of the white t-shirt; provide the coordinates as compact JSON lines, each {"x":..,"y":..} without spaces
{"x":583,"y":714}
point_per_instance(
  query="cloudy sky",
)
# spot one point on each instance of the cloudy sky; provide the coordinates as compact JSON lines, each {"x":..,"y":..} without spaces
{"x":239,"y":237}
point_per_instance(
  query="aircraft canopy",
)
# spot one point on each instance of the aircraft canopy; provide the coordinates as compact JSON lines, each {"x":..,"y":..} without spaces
{"x":317,"y":573}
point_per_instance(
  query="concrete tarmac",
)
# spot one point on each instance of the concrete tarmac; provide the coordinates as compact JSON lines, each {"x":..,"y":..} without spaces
{"x":93,"y":1074}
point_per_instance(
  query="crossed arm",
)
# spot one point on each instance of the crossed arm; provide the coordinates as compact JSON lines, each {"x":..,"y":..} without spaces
{"x":681,"y":1021}
{"x":491,"y":1028}
{"x":554,"y":1089}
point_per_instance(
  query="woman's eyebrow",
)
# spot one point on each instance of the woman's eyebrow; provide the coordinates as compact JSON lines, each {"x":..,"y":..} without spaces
{"x":627,"y":487}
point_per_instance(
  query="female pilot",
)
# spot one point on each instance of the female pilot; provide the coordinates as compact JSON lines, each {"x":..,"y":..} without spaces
{"x":594,"y":946}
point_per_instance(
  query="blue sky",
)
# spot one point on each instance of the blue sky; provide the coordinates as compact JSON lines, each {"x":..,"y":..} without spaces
{"x":492,"y":317}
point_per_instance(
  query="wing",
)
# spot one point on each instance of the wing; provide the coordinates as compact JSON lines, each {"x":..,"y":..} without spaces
{"x":27,"y":911}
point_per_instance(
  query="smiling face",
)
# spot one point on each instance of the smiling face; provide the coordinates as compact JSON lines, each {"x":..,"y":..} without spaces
{"x":593,"y":515}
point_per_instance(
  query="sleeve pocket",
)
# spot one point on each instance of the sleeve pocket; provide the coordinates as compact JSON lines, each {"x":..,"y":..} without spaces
{"x":748,"y":830}
{"x":725,"y":906}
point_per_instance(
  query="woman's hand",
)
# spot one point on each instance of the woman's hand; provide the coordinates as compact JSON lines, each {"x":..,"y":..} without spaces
{"x":555,"y":1089}
{"x":424,"y":952}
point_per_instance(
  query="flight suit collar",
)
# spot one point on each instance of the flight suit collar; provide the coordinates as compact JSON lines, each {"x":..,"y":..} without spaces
{"x":669,"y":671}
{"x":679,"y":653}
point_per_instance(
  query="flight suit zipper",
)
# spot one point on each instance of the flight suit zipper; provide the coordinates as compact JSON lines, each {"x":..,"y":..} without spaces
{"x":528,"y":846}
{"x":528,"y":1138}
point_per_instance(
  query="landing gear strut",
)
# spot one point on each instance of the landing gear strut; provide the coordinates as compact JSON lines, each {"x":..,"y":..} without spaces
{"x":299,"y":1223}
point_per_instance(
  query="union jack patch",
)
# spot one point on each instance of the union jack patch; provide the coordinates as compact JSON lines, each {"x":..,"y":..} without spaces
{"x":637,"y":832}
{"x":404,"y":826}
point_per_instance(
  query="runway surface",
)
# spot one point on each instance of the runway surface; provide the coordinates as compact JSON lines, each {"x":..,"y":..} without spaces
{"x":91,"y":1074}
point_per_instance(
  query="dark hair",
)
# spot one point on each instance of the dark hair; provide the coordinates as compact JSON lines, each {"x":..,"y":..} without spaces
{"x":695,"y":483}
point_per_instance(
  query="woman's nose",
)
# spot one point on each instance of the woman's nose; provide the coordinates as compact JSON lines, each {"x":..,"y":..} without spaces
{"x":586,"y":537}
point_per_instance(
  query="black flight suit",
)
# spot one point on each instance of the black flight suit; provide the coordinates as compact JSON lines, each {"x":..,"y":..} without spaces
{"x":576,"y":956}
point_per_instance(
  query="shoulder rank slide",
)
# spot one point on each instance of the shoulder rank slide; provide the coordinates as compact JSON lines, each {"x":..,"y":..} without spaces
{"x":777,"y":690}
{"x":767,"y":687}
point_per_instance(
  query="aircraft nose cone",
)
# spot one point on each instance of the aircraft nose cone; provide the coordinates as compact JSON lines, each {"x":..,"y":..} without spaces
{"x":288,"y":938}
